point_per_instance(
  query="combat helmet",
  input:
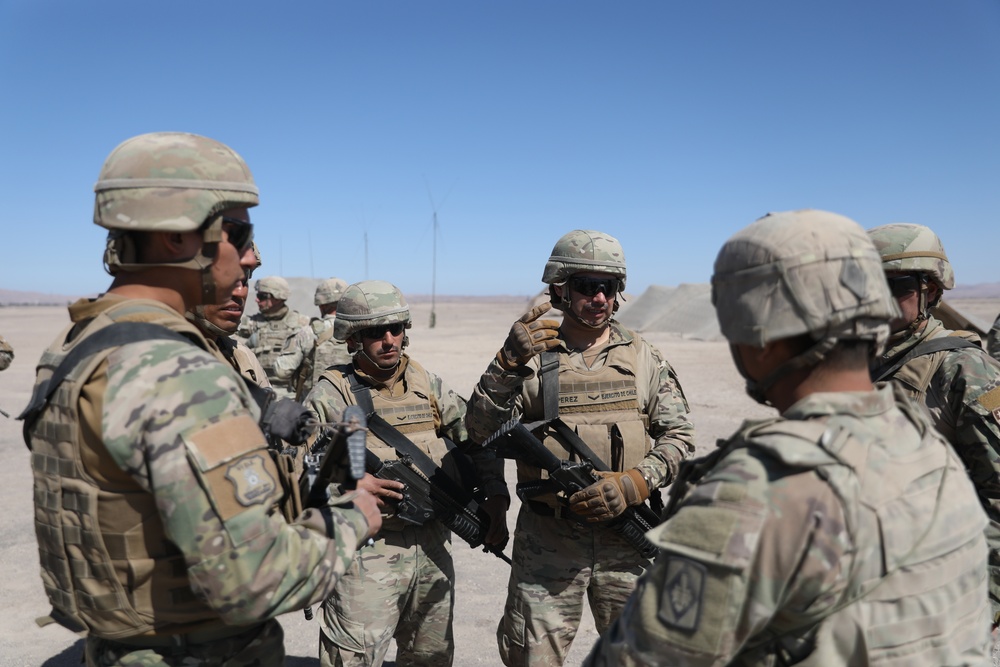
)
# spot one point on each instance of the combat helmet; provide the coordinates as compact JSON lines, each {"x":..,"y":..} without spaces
{"x":329,"y":291}
{"x":581,"y":251}
{"x":276,"y":286}
{"x":802,"y":272}
{"x":909,"y":248}
{"x":369,"y":303}
{"x":169,"y":182}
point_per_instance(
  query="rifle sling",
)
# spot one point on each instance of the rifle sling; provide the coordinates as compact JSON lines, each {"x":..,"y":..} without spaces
{"x":926,"y":347}
{"x":385,"y":432}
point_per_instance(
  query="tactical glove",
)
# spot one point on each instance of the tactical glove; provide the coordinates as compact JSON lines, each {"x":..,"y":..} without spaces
{"x":605,"y":499}
{"x":528,"y":337}
{"x":287,"y":420}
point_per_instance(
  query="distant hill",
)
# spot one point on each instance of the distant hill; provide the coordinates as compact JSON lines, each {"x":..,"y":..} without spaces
{"x":980,"y":291}
{"x":18,"y":298}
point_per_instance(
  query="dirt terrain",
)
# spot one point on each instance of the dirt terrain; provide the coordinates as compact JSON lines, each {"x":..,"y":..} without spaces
{"x":466,"y":336}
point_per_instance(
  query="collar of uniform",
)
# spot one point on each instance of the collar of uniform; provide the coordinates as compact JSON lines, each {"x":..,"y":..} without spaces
{"x":932,"y":329}
{"x":855,"y":403}
{"x":404,"y":361}
{"x":276,"y":315}
{"x":619,"y":336}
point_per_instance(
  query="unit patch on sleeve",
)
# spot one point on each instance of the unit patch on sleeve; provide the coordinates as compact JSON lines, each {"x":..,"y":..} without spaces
{"x":254,"y":484}
{"x":681,"y":598}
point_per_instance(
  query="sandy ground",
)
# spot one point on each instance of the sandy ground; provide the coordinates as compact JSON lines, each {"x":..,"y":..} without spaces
{"x":458,"y":349}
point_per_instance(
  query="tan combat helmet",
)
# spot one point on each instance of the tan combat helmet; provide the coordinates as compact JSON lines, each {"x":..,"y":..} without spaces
{"x":910,"y":248}
{"x":801,"y":272}
{"x":369,"y":303}
{"x":276,"y":286}
{"x":329,"y":291}
{"x":581,"y":251}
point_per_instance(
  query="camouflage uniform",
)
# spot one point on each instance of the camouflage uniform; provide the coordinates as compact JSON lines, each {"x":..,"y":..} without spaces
{"x":559,"y":561}
{"x":402,"y":587}
{"x":959,"y":387}
{"x":6,"y":354}
{"x":243,"y":361}
{"x":993,"y":340}
{"x":267,"y":334}
{"x":155,"y":498}
{"x":310,"y":352}
{"x":842,"y":532}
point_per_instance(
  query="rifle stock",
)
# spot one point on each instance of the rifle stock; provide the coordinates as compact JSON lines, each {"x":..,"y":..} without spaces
{"x":514,"y":440}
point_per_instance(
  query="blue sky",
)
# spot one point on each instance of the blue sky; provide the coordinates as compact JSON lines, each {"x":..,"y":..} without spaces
{"x":669,"y":125}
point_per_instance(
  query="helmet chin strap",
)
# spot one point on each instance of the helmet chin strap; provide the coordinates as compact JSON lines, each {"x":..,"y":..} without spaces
{"x":757,"y":389}
{"x":923,"y":314}
{"x":198,"y":317}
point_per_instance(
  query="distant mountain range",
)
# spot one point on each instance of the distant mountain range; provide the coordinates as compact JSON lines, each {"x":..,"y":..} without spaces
{"x":307,"y":285}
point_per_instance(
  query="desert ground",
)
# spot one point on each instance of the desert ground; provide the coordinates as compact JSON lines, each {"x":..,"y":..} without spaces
{"x":466,"y":336}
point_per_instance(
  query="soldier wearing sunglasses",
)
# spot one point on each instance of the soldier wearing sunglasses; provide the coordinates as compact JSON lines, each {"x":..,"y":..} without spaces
{"x":946,"y":371}
{"x":625,"y":403}
{"x":401,"y":588}
{"x":271,"y":329}
{"x":156,"y":500}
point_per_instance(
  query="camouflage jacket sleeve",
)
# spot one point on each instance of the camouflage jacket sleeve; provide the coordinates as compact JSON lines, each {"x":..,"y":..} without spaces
{"x":182,"y":425}
{"x":669,"y":426}
{"x":291,"y":357}
{"x":452,"y":413}
{"x":993,"y":340}
{"x":777,"y":553}
{"x":495,"y":399}
{"x":6,"y":353}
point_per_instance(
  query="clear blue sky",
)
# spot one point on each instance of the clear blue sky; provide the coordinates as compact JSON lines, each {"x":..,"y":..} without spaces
{"x":669,"y":125}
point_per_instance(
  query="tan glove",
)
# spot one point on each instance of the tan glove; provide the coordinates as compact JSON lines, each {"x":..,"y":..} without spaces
{"x":605,"y":499}
{"x":528,"y":337}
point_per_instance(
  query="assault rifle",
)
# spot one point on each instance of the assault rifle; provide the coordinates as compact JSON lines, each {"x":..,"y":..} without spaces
{"x":337,"y":455}
{"x":423,"y":500}
{"x":514,"y":440}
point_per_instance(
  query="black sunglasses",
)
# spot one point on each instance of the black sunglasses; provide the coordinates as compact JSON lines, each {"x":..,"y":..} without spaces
{"x":374,"y":333}
{"x":591,"y":286}
{"x":902,"y":285}
{"x":264,"y":296}
{"x":240,"y":232}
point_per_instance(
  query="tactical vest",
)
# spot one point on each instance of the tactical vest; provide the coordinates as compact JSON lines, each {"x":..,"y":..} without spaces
{"x":107,"y":565}
{"x":243,"y":361}
{"x":602,"y":405}
{"x":269,"y":336}
{"x":916,"y":375}
{"x":326,"y":352}
{"x":878,"y":620}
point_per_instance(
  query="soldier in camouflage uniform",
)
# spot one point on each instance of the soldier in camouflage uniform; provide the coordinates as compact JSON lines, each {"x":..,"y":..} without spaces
{"x":268,"y":331}
{"x":844,"y":531}
{"x":402,"y":588}
{"x":155,"y":500}
{"x":314,"y":348}
{"x":993,"y":340}
{"x":6,"y":354}
{"x":618,"y":393}
{"x":946,"y":371}
{"x":219,"y":323}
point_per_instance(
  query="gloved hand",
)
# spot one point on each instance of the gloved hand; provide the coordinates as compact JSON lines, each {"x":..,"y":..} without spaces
{"x":528,"y":337}
{"x":605,"y":499}
{"x":287,"y":420}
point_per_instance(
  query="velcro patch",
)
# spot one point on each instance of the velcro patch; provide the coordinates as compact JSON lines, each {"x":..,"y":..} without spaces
{"x":251,"y":479}
{"x":681,"y":599}
{"x":991,"y":402}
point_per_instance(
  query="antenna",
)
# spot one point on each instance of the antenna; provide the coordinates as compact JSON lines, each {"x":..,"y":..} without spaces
{"x":434,"y":208}
{"x":312,"y":271}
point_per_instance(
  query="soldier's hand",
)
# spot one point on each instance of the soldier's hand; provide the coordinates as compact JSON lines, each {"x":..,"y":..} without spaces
{"x":381,"y":489}
{"x":288,"y":420}
{"x":607,"y":498}
{"x":529,"y":336}
{"x":496,"y":508}
{"x":368,"y":505}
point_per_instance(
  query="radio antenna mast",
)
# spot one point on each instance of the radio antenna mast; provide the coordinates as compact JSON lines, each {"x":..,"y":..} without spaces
{"x":434,"y":208}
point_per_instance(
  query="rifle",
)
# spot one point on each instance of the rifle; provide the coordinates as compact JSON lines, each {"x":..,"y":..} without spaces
{"x":424,"y":500}
{"x":337,"y":455}
{"x":514,"y":440}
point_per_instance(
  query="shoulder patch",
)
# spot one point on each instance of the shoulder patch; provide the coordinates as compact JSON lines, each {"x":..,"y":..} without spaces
{"x":991,"y":402}
{"x":251,"y":479}
{"x":681,"y":598}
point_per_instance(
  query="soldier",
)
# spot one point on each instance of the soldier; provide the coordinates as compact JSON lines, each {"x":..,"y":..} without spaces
{"x":219,"y":323}
{"x":6,"y":354}
{"x":559,"y":557}
{"x":993,"y":340}
{"x":155,"y":500}
{"x":946,"y":371}
{"x":842,"y":532}
{"x":267,"y":332}
{"x":402,"y":588}
{"x":314,"y":348}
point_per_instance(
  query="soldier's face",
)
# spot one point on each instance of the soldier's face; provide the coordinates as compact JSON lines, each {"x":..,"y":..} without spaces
{"x":267,"y":303}
{"x":383,"y":345}
{"x":906,"y":290}
{"x":228,"y":314}
{"x":231,"y":263}
{"x":592,"y":296}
